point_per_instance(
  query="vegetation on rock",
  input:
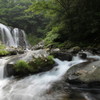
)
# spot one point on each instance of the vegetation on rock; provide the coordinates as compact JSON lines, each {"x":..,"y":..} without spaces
{"x":37,"y":65}
{"x":3,"y":52}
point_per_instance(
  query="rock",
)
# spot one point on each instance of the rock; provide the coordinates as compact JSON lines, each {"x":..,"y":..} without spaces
{"x":74,"y":50}
{"x":62,"y":56}
{"x":9,"y":70}
{"x":82,"y":55}
{"x":55,"y":50}
{"x":13,"y":52}
{"x":22,"y":68}
{"x":86,"y":72}
{"x":20,"y":51}
{"x":40,"y":45}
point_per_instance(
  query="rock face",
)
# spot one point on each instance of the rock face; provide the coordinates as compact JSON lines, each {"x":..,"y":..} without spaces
{"x":86,"y":72}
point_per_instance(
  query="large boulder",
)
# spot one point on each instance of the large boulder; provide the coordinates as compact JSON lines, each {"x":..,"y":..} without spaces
{"x":22,"y":68}
{"x":86,"y":72}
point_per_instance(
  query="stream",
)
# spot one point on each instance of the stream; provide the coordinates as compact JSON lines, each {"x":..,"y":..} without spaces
{"x":34,"y":87}
{"x":38,"y":86}
{"x":43,"y":86}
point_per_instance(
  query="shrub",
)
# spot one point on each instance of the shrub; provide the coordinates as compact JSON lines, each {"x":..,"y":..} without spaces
{"x":21,"y":67}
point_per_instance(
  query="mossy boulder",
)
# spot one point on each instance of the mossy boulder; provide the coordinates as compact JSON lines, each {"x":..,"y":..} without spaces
{"x":37,"y":65}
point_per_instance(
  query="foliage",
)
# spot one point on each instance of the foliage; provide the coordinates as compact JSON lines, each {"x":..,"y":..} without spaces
{"x":2,"y":46}
{"x":79,"y":20}
{"x":3,"y":52}
{"x":21,"y":66}
{"x":51,"y":36}
{"x":33,"y":40}
{"x":60,"y":21}
{"x":13,"y":13}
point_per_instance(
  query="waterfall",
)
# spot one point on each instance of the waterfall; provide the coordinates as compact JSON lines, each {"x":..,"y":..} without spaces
{"x":13,"y":36}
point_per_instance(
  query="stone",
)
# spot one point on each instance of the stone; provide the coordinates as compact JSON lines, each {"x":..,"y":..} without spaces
{"x":74,"y":50}
{"x":9,"y":70}
{"x":82,"y":55}
{"x":62,"y":56}
{"x":86,"y":72}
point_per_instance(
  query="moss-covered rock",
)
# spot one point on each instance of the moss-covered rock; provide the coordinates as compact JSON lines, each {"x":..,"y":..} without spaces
{"x":4,"y":53}
{"x":37,"y":65}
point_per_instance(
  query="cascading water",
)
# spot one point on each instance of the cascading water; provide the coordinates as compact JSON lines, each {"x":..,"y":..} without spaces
{"x":35,"y":87}
{"x":13,"y":37}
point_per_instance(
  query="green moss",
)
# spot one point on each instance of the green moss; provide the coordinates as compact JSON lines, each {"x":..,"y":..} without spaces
{"x":4,"y":53}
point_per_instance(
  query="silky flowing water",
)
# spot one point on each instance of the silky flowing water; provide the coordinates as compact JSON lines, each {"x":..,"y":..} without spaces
{"x":34,"y":87}
{"x":12,"y":36}
{"x":38,"y":86}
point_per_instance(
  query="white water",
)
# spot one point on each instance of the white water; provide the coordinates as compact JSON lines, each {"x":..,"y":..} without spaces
{"x":12,"y":37}
{"x":6,"y":35}
{"x":2,"y":64}
{"x":35,"y":87}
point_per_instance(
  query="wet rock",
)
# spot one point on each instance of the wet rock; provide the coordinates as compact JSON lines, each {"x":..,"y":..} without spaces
{"x":62,"y":56}
{"x":74,"y":50}
{"x":22,"y":68}
{"x":13,"y":52}
{"x":82,"y":55}
{"x":86,"y":72}
{"x":9,"y":70}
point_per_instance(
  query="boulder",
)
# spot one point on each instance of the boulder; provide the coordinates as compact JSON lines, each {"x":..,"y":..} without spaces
{"x":85,"y":72}
{"x":13,"y":52}
{"x":21,"y":68}
{"x":62,"y":55}
{"x":82,"y":55}
{"x":9,"y":70}
{"x":74,"y":50}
